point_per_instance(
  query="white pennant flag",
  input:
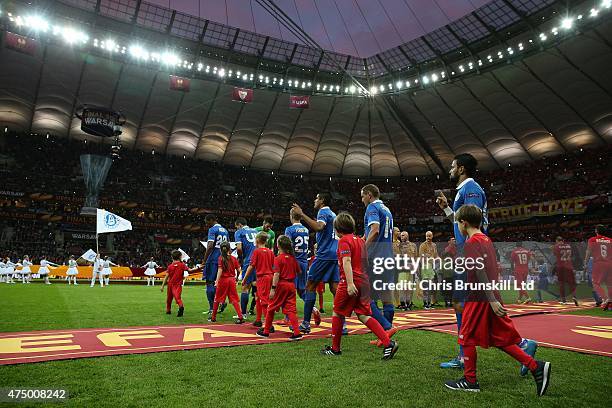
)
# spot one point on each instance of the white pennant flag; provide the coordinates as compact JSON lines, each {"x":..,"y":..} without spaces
{"x":90,"y":255}
{"x":184,"y":256}
{"x":109,"y":222}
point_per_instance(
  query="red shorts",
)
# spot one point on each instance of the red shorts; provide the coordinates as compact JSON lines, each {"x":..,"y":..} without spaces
{"x":321,"y":287}
{"x":602,"y":273}
{"x":345,"y":305}
{"x":226,"y":288}
{"x":264,"y":283}
{"x":480,"y":326}
{"x":284,"y":297}
{"x":520,"y":276}
{"x":565,"y":274}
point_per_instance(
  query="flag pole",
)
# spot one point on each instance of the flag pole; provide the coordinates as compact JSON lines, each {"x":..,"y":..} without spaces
{"x":97,"y":246}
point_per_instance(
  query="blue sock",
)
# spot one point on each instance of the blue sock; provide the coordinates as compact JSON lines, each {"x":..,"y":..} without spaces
{"x":309,"y":302}
{"x":522,"y":343}
{"x":389,"y":312}
{"x":244,"y":302}
{"x":377,"y":314}
{"x":459,"y":317}
{"x":210,"y":294}
{"x":596,"y":297}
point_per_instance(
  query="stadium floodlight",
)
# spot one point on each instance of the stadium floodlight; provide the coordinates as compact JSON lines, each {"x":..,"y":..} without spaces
{"x":309,"y":84}
{"x":303,"y":85}
{"x":434,"y":77}
{"x":337,"y":88}
{"x":207,"y":69}
{"x":390,"y":86}
{"x":170,"y":59}
{"x":461,"y":68}
{"x":416,"y":81}
{"x":245,"y":77}
{"x":606,"y":3}
{"x":579,"y":17}
{"x":399,"y":84}
{"x":251,"y":76}
{"x":37,"y":23}
{"x":325,"y":87}
{"x":237,"y":74}
{"x":443,"y":74}
{"x":425,"y":80}
{"x":594,"y":12}
{"x":281,"y":81}
{"x":352,"y":89}
{"x":72,"y":36}
{"x":290,"y":82}
{"x":137,"y":51}
{"x":318,"y":85}
{"x":543,"y":37}
{"x":200,"y":66}
{"x":382,"y":88}
{"x":109,"y":45}
{"x":567,"y":23}
{"x":261,"y":78}
{"x":373,"y":90}
{"x":267,"y":80}
{"x":520,"y":46}
{"x":407,"y":84}
{"x":222,"y":73}
{"x":480,"y":63}
{"x":554,"y":30}
{"x":510,"y":51}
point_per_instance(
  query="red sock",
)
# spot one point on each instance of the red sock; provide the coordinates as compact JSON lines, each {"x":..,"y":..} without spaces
{"x":215,"y":307}
{"x":258,"y":310}
{"x":469,"y":363}
{"x":377,"y":329}
{"x":237,"y":309}
{"x":320,"y":301}
{"x":337,"y":323}
{"x":519,"y":355}
{"x":293,"y":319}
{"x":269,"y":320}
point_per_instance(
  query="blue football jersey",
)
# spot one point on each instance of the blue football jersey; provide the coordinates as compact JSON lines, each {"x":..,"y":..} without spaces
{"x":378,"y":213}
{"x":246,"y":237}
{"x":299,"y":236}
{"x":217,"y":234}
{"x":327,"y":242}
{"x":470,"y":192}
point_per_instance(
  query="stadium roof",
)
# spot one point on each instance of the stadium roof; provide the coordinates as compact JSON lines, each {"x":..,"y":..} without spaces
{"x":505,"y":109}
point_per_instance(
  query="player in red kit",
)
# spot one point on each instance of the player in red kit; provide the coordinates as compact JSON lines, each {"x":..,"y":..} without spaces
{"x":520,"y":258}
{"x":485,"y":321}
{"x":174,"y":278}
{"x":600,"y":248}
{"x":353,"y":292}
{"x":565,"y":269}
{"x":262,"y":260}
{"x":282,"y":291}
{"x":225,"y":283}
{"x":320,"y":292}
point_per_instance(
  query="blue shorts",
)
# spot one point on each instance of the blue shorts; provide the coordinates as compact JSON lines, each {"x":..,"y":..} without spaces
{"x":459,"y":295}
{"x":300,"y":280}
{"x":210,"y":271}
{"x":252,"y":276}
{"x":323,"y":270}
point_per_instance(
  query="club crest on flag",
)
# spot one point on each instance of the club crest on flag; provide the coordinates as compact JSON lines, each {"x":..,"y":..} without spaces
{"x":109,"y":222}
{"x":179,"y":83}
{"x":243,"y":95}
{"x":20,"y":43}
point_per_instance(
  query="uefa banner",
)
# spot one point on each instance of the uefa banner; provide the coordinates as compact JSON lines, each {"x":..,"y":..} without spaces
{"x":20,"y":43}
{"x":299,"y":102}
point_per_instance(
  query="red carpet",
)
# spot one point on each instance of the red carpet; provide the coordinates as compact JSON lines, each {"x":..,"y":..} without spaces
{"x":584,"y":334}
{"x":29,"y":347}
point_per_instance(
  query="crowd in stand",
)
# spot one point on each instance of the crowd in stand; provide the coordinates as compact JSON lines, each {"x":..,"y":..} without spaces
{"x":180,"y":191}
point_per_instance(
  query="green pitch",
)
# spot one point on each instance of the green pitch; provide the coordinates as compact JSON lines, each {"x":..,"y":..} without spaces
{"x":288,"y":374}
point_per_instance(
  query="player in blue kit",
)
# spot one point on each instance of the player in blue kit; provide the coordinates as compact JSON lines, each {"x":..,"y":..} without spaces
{"x":216,"y":235}
{"x":462,"y":171}
{"x":299,"y":235}
{"x":325,"y":266}
{"x":245,"y":245}
{"x":378,"y":235}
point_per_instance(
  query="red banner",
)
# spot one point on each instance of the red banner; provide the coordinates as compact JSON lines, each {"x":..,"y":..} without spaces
{"x":20,"y":43}
{"x":243,"y":95}
{"x":299,"y":102}
{"x":179,"y":83}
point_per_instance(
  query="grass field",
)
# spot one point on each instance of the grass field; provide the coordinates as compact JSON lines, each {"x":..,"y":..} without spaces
{"x":288,"y":374}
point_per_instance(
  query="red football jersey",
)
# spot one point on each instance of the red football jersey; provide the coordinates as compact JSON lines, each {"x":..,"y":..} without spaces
{"x":175,"y":272}
{"x":262,"y":260}
{"x":353,"y":246}
{"x":520,"y":259}
{"x":563,"y":254}
{"x":287,"y":267}
{"x":480,"y":247}
{"x":232,"y":267}
{"x":600,"y":247}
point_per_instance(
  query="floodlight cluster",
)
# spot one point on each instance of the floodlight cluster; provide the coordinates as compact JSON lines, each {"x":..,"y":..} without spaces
{"x":183,"y":64}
